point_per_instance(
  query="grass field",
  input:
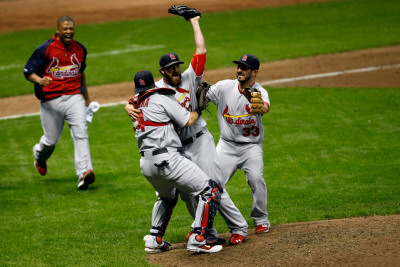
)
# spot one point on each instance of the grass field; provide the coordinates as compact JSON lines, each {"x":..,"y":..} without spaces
{"x":270,"y":33}
{"x":329,"y":152}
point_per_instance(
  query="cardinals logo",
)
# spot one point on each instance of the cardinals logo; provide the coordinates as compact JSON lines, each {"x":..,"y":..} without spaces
{"x":244,"y":58}
{"x":237,"y":119}
{"x":68,"y":71}
{"x":172,"y":56}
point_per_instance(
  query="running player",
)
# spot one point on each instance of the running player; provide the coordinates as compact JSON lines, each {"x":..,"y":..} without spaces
{"x":57,"y":70}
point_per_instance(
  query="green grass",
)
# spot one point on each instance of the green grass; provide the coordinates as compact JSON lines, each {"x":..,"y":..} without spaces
{"x":329,"y":153}
{"x":270,"y":33}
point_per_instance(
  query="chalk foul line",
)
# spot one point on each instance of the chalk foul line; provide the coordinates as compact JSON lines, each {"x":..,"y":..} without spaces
{"x":329,"y":74}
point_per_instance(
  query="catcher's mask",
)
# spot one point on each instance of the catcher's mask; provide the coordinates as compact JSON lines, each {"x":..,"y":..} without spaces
{"x":143,"y":81}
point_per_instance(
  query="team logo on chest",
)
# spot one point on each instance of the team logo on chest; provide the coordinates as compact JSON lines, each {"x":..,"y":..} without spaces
{"x":238,"y":119}
{"x":184,"y":98}
{"x":67,"y":71}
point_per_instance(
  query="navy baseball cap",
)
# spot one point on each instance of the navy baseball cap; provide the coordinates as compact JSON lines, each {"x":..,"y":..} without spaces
{"x":250,"y":61}
{"x":169,"y":59}
{"x":143,"y":81}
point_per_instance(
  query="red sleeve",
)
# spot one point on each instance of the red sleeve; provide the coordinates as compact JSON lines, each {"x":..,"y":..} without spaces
{"x":198,"y":63}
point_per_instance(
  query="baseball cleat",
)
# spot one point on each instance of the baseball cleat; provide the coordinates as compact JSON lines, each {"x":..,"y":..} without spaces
{"x":236,"y":239}
{"x":197,"y":243}
{"x":215,"y":241}
{"x":86,"y":179}
{"x":146,"y":237}
{"x":40,"y":166}
{"x":205,"y":248}
{"x":155,"y":244}
{"x":262,"y":228}
{"x":188,"y":235}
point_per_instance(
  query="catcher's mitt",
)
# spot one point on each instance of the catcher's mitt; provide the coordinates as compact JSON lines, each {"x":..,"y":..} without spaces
{"x":257,"y":105}
{"x":184,"y":11}
{"x":201,"y":95}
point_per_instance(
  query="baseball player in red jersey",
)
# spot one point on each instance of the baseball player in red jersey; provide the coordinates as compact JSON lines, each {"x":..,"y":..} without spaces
{"x":197,"y":142}
{"x":166,"y":169}
{"x":57,"y":70}
{"x":242,"y":133}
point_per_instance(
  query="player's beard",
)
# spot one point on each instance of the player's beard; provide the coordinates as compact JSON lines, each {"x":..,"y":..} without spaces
{"x":243,"y":77}
{"x":173,"y":79}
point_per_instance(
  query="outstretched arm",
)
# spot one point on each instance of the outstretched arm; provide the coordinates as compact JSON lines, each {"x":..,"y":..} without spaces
{"x":198,"y":36}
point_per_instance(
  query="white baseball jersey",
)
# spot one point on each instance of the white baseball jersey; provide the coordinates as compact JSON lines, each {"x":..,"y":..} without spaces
{"x":235,"y":122}
{"x":186,"y":96}
{"x":160,"y":108}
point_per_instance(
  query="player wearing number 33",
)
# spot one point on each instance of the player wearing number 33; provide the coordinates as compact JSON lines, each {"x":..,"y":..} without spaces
{"x":242,"y":131}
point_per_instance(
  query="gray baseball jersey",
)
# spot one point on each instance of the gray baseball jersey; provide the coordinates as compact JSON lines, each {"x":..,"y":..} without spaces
{"x":164,"y":110}
{"x":186,"y":97}
{"x":235,"y":122}
{"x":161,"y":109}
{"x":240,"y":144}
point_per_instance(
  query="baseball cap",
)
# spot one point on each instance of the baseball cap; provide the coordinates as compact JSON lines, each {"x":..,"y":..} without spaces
{"x":143,"y":81}
{"x":250,"y":61}
{"x":169,"y":59}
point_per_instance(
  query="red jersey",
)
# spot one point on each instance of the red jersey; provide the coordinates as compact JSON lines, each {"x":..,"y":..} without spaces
{"x":64,"y":65}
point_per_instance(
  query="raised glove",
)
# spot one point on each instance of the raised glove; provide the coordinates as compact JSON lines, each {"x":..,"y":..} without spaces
{"x":257,"y":105}
{"x":184,"y":11}
{"x":201,"y":95}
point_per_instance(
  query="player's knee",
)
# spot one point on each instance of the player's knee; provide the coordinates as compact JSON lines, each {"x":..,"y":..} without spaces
{"x":212,"y":192}
{"x":171,"y":203}
{"x":255,"y":178}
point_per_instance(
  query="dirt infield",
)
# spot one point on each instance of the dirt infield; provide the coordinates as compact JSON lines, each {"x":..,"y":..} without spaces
{"x":366,"y":241}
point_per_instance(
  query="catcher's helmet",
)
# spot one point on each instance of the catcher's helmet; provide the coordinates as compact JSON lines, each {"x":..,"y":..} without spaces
{"x":143,"y":81}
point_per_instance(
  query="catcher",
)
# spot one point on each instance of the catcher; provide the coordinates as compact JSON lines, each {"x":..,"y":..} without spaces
{"x":241,"y":103}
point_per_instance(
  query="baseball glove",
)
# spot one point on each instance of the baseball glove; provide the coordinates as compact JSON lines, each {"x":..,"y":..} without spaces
{"x":257,"y":105}
{"x":201,"y":95}
{"x":184,"y":11}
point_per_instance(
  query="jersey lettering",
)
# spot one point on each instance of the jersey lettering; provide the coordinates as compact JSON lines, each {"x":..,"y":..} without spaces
{"x":145,"y":103}
{"x":238,"y":119}
{"x":64,"y":71}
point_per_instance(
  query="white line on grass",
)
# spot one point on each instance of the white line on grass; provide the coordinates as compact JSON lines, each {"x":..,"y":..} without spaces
{"x":130,"y":49}
{"x":133,"y":48}
{"x":306,"y":77}
{"x":329,"y":74}
{"x":37,"y":113}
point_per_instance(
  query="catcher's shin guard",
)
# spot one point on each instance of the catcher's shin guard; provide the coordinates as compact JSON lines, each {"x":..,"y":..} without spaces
{"x":207,"y":208}
{"x":162,"y":212}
